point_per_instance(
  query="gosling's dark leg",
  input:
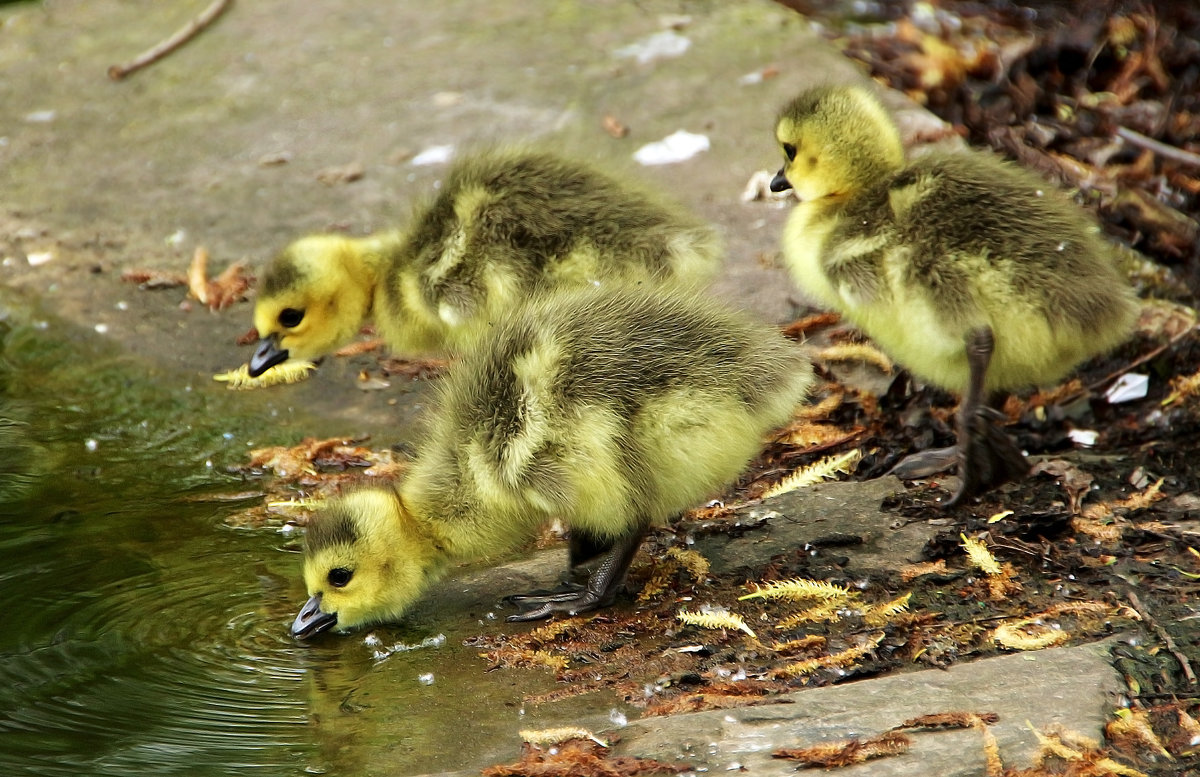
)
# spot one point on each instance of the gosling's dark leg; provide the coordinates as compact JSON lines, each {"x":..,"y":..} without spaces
{"x":600,"y":591}
{"x":986,"y":455}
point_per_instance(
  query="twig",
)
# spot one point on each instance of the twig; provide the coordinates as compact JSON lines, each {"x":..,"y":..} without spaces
{"x":1162,"y":149}
{"x":1165,"y":637}
{"x":191,"y":30}
{"x":1138,"y":362}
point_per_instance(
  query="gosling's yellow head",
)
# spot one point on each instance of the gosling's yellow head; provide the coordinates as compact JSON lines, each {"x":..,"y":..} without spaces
{"x":312,"y":299}
{"x":836,"y":140}
{"x":366,"y":560}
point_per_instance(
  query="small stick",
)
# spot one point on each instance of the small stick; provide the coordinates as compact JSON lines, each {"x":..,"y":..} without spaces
{"x":1179,"y":155}
{"x":1165,"y":637}
{"x":189,"y":31}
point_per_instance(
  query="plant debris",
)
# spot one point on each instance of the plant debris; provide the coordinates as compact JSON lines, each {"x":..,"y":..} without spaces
{"x":580,"y":757}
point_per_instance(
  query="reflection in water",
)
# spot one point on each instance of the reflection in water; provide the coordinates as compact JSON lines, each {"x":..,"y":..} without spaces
{"x":144,"y":656}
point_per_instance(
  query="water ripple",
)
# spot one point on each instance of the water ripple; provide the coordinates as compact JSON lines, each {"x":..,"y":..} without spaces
{"x":128,"y":657}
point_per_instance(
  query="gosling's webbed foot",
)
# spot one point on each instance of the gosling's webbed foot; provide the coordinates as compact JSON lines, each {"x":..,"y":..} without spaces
{"x":925,"y":463}
{"x":987,"y":456}
{"x":537,"y":607}
{"x":600,"y":591}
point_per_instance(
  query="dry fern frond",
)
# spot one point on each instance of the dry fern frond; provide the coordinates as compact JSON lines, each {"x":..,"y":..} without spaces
{"x":287,"y":372}
{"x":879,"y":614}
{"x":821,"y":410}
{"x":798,"y":589}
{"x":1081,"y":751}
{"x":675,"y":558}
{"x":811,"y":642}
{"x":715,"y":619}
{"x":544,"y":635}
{"x":1143,"y":499}
{"x":814,"y":473}
{"x":853,"y":751}
{"x":861,"y":352}
{"x":1026,"y":634}
{"x":913,"y":571}
{"x":946,"y":720}
{"x":829,"y":612}
{"x":1183,"y":387}
{"x":812,"y":434}
{"x":840,"y":660}
{"x":552,"y":736}
{"x":694,"y":562}
{"x":980,"y":556}
{"x":1132,"y":730}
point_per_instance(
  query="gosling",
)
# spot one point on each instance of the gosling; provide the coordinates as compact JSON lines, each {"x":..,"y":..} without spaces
{"x":505,"y":224}
{"x":972,"y":273}
{"x":612,"y":410}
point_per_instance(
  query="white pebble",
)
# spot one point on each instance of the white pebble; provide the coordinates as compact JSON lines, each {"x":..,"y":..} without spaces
{"x":676,"y":147}
{"x":425,"y":679}
{"x":434,"y":155}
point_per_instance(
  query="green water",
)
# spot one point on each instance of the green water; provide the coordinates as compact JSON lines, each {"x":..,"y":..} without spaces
{"x":142,"y":634}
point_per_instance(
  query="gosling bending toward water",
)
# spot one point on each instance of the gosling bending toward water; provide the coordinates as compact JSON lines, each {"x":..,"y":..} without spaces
{"x":611,"y":410}
{"x":505,"y":224}
{"x":973,"y":273}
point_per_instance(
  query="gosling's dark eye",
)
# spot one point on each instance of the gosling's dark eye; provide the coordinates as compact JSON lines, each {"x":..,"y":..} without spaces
{"x":789,"y":151}
{"x":290,"y":317}
{"x":339,"y":577}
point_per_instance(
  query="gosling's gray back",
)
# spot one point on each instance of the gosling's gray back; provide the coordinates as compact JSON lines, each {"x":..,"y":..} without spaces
{"x":526,"y":211}
{"x":623,"y":387}
{"x":987,"y":216}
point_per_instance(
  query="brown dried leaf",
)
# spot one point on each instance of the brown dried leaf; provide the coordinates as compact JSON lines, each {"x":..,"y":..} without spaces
{"x":1074,"y":481}
{"x":416,"y":369}
{"x":613,"y":126}
{"x":337,"y":174}
{"x":154,"y":279}
{"x":801,"y":327}
{"x":359,"y":347}
{"x":913,"y":571}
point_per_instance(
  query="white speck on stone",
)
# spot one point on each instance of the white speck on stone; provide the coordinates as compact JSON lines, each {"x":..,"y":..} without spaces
{"x":39,"y":258}
{"x":425,"y":679}
{"x":41,"y":117}
{"x":1129,"y":387}
{"x":434,"y":155}
{"x":1083,"y":437}
{"x":176,"y":238}
{"x":617,"y":718}
{"x":660,"y":45}
{"x":122,"y":305}
{"x":91,"y":444}
{"x":676,"y":147}
{"x":101,"y":328}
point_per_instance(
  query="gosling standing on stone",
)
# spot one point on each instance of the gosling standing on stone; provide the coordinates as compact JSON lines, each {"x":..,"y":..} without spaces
{"x":504,"y":225}
{"x":611,"y":410}
{"x":974,"y":274}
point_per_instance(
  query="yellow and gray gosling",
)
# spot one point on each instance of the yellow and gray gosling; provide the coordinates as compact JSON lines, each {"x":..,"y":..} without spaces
{"x":505,"y":224}
{"x":611,"y":410}
{"x":974,"y":274}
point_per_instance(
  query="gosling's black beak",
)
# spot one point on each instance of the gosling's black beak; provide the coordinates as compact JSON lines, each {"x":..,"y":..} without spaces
{"x":311,"y":620}
{"x":267,"y":355}
{"x":778,"y":184}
